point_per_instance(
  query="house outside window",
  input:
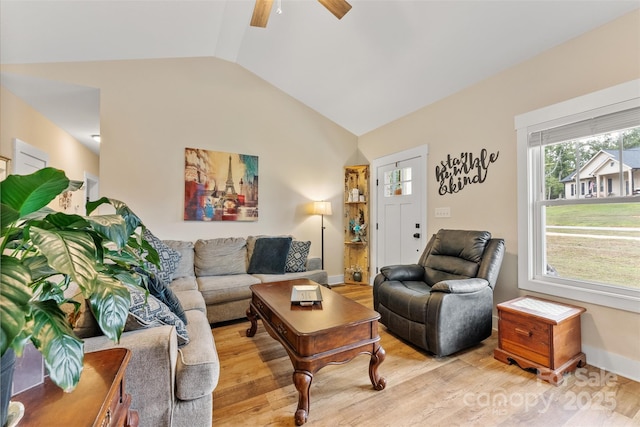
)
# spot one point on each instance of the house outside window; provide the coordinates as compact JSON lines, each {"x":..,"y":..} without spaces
{"x":582,"y":244}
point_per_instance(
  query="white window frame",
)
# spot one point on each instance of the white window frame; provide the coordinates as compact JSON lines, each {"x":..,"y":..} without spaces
{"x":610,"y":100}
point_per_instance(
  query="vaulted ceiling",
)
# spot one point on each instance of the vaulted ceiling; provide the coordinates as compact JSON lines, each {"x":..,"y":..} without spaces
{"x":383,"y":60}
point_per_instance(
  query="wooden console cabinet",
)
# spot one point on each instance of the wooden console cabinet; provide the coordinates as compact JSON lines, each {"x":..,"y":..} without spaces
{"x":540,"y":336}
{"x":98,"y":400}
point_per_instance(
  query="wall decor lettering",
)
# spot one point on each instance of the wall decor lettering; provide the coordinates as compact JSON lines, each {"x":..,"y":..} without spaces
{"x":220,"y":186}
{"x":455,"y":173}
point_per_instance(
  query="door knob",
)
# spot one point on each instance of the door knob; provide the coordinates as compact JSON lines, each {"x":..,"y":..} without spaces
{"x":416,"y":235}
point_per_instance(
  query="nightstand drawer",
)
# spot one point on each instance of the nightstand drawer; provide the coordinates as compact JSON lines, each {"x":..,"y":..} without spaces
{"x":525,"y":337}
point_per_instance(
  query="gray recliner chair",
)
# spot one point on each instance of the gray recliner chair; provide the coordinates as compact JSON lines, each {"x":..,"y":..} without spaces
{"x":444,"y":303}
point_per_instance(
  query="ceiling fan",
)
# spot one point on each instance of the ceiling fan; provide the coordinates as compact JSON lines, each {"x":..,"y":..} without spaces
{"x":262,"y":9}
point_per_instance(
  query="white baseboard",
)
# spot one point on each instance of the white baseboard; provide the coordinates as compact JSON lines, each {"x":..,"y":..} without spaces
{"x":603,"y":359}
{"x":336,"y":280}
{"x":612,"y":362}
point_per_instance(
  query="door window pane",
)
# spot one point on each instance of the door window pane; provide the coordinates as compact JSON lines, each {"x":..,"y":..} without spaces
{"x":397,"y":182}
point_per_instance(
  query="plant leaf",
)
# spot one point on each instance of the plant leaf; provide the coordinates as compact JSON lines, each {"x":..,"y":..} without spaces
{"x":113,"y":227}
{"x":8,"y":216}
{"x":62,"y":220}
{"x":39,"y":267}
{"x":125,"y":276}
{"x":24,"y":194}
{"x":110,"y":306}
{"x":131,"y":219}
{"x":63,"y":352}
{"x":70,"y":252}
{"x":14,"y":300}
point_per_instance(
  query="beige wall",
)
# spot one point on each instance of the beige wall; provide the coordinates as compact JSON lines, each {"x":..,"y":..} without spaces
{"x":19,"y":120}
{"x":482,"y":116}
{"x":150,"y":110}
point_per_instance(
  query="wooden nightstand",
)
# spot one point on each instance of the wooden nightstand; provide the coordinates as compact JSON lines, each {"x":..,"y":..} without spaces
{"x":540,"y":336}
{"x":98,"y":400}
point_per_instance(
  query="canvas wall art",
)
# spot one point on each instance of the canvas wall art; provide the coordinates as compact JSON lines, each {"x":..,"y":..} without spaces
{"x":220,"y":186}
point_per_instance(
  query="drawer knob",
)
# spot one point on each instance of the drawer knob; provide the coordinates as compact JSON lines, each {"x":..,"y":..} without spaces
{"x":523,"y":332}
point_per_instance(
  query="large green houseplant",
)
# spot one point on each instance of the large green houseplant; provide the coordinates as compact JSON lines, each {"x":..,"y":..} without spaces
{"x":43,"y":251}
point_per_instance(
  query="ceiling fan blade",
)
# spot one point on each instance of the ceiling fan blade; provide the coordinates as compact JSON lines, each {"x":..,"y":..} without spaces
{"x":338,"y":7}
{"x":261,"y":12}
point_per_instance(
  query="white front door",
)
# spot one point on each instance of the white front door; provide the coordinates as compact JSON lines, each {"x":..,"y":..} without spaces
{"x":400,"y":208}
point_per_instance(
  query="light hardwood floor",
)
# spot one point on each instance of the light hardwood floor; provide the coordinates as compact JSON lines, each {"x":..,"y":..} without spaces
{"x":470,"y":388}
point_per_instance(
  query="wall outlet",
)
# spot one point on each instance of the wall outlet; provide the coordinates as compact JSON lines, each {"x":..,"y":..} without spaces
{"x":443,"y":212}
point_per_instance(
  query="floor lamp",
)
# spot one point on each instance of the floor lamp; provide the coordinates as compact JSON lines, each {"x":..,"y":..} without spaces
{"x":322,"y":208}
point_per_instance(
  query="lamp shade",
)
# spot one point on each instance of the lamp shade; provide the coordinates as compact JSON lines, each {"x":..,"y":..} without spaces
{"x":321,"y":208}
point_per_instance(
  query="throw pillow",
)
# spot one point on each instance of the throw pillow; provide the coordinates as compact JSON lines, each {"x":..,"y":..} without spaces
{"x":146,"y":311}
{"x":297,"y":256}
{"x":169,"y":258}
{"x":270,"y":255}
{"x":251,"y":242}
{"x":185,"y":249}
{"x":161,"y":291}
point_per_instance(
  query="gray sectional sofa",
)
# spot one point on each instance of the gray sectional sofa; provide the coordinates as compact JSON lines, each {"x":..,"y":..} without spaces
{"x":221,"y":269}
{"x":172,"y":385}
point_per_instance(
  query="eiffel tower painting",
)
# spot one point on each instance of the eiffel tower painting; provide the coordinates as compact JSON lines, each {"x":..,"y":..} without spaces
{"x":220,"y":186}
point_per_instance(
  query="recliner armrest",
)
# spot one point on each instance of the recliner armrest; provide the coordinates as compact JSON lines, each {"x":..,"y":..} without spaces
{"x":463,"y":286}
{"x":403,"y":273}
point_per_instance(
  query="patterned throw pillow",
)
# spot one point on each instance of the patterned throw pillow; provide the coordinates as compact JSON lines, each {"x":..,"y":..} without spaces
{"x":146,"y":311}
{"x":169,"y":258}
{"x":161,"y":291}
{"x":297,"y":257}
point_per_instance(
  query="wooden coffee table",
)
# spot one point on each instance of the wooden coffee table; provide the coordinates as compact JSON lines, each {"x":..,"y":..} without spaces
{"x":332,"y":332}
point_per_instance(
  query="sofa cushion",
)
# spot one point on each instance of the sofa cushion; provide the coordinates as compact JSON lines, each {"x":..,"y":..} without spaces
{"x":169,"y":258}
{"x":216,"y":257}
{"x":217,"y":289}
{"x":191,"y":300}
{"x":297,"y":256}
{"x":270,"y":255}
{"x":146,"y":311}
{"x":197,"y":367}
{"x":185,"y":249}
{"x":184,"y":284}
{"x":314,"y":264}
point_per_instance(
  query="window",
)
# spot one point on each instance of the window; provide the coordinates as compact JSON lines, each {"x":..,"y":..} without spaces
{"x":575,"y":239}
{"x":397,"y":182}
